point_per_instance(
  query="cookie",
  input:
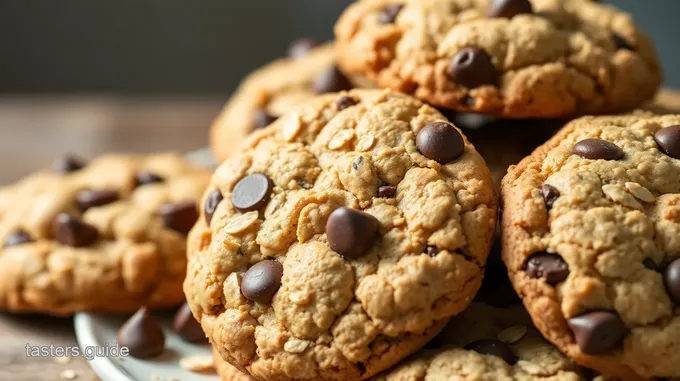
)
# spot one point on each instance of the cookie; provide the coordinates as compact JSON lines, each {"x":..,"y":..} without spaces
{"x":590,"y":223}
{"x":108,"y":235}
{"x":341,"y":239}
{"x":509,"y":58}
{"x":479,"y":340}
{"x":488,"y":344}
{"x":272,"y":90}
{"x":226,"y":371}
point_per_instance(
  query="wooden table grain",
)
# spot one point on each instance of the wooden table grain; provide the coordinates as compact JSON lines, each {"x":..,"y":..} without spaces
{"x":33,"y":131}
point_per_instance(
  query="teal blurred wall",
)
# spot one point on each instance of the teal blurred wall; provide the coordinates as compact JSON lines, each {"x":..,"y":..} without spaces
{"x":201,"y":47}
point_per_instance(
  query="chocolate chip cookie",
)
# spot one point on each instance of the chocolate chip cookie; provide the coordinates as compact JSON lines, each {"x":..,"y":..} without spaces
{"x":483,"y":343}
{"x":509,"y":58}
{"x":228,"y":372}
{"x":108,"y":235}
{"x":590,"y":227}
{"x":488,"y":344}
{"x":340,"y":239}
{"x":272,"y":90}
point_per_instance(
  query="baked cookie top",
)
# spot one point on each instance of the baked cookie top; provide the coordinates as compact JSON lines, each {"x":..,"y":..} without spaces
{"x":269,"y":92}
{"x":489,"y":344}
{"x":108,"y":235}
{"x":590,"y":227}
{"x":341,"y":238}
{"x":509,"y":58}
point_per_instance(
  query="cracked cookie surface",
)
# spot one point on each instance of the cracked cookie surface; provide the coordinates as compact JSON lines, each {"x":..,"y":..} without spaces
{"x":590,"y":228}
{"x":272,"y":90}
{"x":544,"y":58}
{"x":108,"y":235}
{"x":337,"y":248}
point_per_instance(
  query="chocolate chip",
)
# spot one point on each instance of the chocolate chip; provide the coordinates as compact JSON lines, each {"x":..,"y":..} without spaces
{"x":440,"y":141}
{"x":67,"y":164}
{"x":550,"y":194}
{"x":598,"y":149}
{"x":351,"y":232}
{"x":621,"y":43}
{"x":252,"y":192}
{"x":146,"y":177}
{"x":179,"y":216}
{"x":551,"y":267}
{"x":650,"y":264}
{"x":387,"y":191}
{"x":672,"y":280}
{"x":431,"y":251}
{"x":509,"y":8}
{"x":388,"y":14}
{"x":668,"y":140}
{"x":493,"y":347}
{"x":598,"y":331}
{"x":18,"y":237}
{"x":187,"y":326}
{"x":72,"y":231}
{"x":301,"y":47}
{"x":262,"y":119}
{"x":87,"y":199}
{"x":331,"y":80}
{"x":211,"y":202}
{"x":344,"y":102}
{"x":142,"y":335}
{"x":472,"y":67}
{"x":261,"y":281}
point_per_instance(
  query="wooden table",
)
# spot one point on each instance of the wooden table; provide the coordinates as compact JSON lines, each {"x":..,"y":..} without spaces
{"x":34,"y":131}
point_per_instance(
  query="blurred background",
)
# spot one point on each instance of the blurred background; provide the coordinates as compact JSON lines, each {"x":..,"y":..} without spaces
{"x":94,"y":76}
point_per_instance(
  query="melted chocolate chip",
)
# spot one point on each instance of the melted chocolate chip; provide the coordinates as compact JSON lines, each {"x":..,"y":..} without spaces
{"x":598,"y":332}
{"x":550,"y":194}
{"x":551,"y":267}
{"x":179,"y":216}
{"x":472,"y":67}
{"x":509,"y":8}
{"x":87,"y":199}
{"x":668,"y":140}
{"x":261,"y":281}
{"x":72,"y":231}
{"x":344,"y":102}
{"x":441,"y":142}
{"x":596,"y":149}
{"x":351,"y":232}
{"x":672,"y":280}
{"x":211,"y":202}
{"x":331,"y":80}
{"x":387,"y":191}
{"x":252,"y":192}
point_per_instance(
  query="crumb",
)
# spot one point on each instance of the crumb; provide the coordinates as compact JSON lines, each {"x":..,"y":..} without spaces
{"x":156,"y":377}
{"x":68,"y":374}
{"x":197,"y":363}
{"x":62,"y":359}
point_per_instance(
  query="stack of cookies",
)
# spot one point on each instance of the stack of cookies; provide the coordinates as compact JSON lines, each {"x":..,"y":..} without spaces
{"x":412,"y":201}
{"x":346,"y":234}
